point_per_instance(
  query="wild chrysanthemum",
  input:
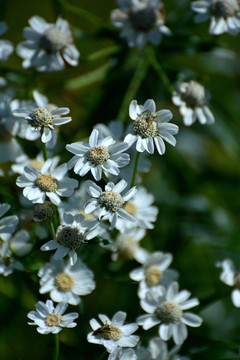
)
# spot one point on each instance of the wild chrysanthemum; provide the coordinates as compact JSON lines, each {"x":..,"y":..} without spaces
{"x":48,"y":46}
{"x":101,"y":154}
{"x":167,"y":309}
{"x":51,"y":320}
{"x":154,"y":272}
{"x":110,"y":202}
{"x":224,"y":14}
{"x":231,"y":277}
{"x":44,"y":117}
{"x":113,"y":333}
{"x":140,"y":206}
{"x":50,"y":181}
{"x":127,"y":245}
{"x":192,"y":100}
{"x":70,"y":235}
{"x":150,"y":127}
{"x":141,"y":21}
{"x":66,"y":283}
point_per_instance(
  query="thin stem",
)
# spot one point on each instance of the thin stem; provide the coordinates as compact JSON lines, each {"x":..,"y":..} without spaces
{"x":44,"y":149}
{"x":56,"y":352}
{"x":135,"y":83}
{"x":159,"y":70}
{"x":52,"y":230}
{"x":135,"y":169}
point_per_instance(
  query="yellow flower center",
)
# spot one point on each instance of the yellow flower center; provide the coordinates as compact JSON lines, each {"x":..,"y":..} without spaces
{"x":109,"y":332}
{"x":145,"y":125}
{"x":64,"y":281}
{"x":111,"y":201}
{"x":47,"y":183}
{"x":153,"y":275}
{"x":98,"y":155}
{"x":53,"y":320}
{"x":169,"y":312}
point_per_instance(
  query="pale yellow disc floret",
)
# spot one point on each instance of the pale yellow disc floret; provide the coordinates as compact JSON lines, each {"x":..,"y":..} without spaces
{"x":53,"y":320}
{"x":109,"y":332}
{"x":47,"y":183}
{"x":64,"y":281}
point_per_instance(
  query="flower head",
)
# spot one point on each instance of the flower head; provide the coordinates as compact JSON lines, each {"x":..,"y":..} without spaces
{"x":43,"y":117}
{"x":140,"y":21}
{"x":7,"y":224}
{"x":150,"y":127}
{"x":101,"y":154}
{"x":224,"y":14}
{"x":66,"y":283}
{"x":113,"y":333}
{"x":71,"y":235}
{"x":166,"y":307}
{"x":154,"y":272}
{"x":192,"y":100}
{"x":109,"y":202}
{"x":48,"y":46}
{"x":51,"y":320}
{"x":50,"y":181}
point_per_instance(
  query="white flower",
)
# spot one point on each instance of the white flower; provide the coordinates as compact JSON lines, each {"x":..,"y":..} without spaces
{"x":224,"y":14}
{"x":140,"y":207}
{"x":48,"y":46}
{"x":192,"y":100}
{"x":66,"y":283}
{"x":50,"y":181}
{"x":150,"y":127}
{"x":7,"y":224}
{"x":23,"y":160}
{"x":140,"y":21}
{"x":154,"y":272}
{"x":167,"y":309}
{"x":123,"y":354}
{"x":115,"y":129}
{"x":127,"y":245}
{"x":6,"y":47}
{"x":71,"y":235}
{"x":19,"y":243}
{"x":230,"y":277}
{"x":43,"y":117}
{"x":51,"y":320}
{"x":109,"y":202}
{"x":113,"y":334}
{"x":101,"y":154}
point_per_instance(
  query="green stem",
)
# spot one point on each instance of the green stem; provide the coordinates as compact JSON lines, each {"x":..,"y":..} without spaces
{"x":135,"y":83}
{"x":159,"y":70}
{"x":52,"y":230}
{"x":56,"y":352}
{"x":135,"y":169}
{"x":44,"y":149}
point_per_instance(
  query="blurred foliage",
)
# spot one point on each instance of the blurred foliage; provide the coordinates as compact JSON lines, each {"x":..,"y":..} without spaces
{"x":196,"y":184}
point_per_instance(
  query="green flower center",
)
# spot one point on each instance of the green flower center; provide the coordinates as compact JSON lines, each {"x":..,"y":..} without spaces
{"x":143,"y":19}
{"x":70,"y":237}
{"x":169,"y":312}
{"x":195,"y":95}
{"x":224,"y":8}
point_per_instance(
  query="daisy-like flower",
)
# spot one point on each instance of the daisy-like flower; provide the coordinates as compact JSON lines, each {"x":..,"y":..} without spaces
{"x":123,"y":354}
{"x":43,"y":117}
{"x":71,"y":235}
{"x":141,"y":21}
{"x":23,"y":160}
{"x":51,"y":320}
{"x":167,"y":309}
{"x":154,"y":272}
{"x":150,"y":127}
{"x":113,"y":333}
{"x":127,"y":245}
{"x":224,"y":14}
{"x":101,"y":154}
{"x":7,"y":224}
{"x":159,"y":351}
{"x":192,"y":100}
{"x":50,"y":181}
{"x":109,"y":202}
{"x":6,"y":47}
{"x":66,"y":283}
{"x":140,"y":207}
{"x":48,"y":46}
{"x":231,"y":277}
